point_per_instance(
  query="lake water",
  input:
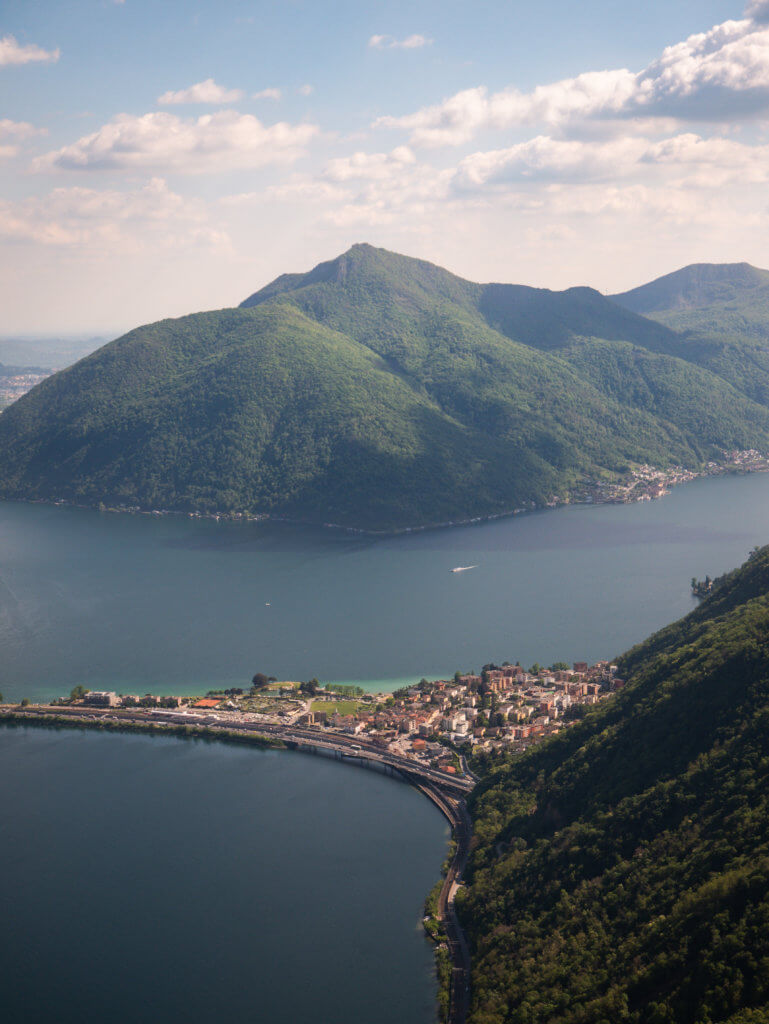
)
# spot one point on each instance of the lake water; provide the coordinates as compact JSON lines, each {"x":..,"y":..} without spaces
{"x":160,"y":879}
{"x":173,"y":605}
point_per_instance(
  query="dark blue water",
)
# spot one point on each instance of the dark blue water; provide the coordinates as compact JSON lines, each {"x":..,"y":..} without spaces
{"x":164,"y":880}
{"x":174,"y":605}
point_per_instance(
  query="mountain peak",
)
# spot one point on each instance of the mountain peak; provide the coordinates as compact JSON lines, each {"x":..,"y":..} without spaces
{"x":694,"y":287}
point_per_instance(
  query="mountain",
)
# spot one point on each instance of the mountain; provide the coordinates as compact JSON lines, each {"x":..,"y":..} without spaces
{"x":376,"y":391}
{"x":621,"y":870}
{"x":722,"y":313}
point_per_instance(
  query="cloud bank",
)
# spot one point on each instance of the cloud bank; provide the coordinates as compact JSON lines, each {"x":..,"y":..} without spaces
{"x":164,"y":142}
{"x":713,"y":76}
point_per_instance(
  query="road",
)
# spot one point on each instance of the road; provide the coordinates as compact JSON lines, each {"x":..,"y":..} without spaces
{"x":446,"y":791}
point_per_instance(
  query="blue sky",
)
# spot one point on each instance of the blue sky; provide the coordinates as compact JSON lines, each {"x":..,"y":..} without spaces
{"x":159,"y":158}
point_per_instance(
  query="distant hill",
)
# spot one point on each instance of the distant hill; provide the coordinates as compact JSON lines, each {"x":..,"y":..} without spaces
{"x":377,"y":391}
{"x":728,"y":300}
{"x":621,"y":870}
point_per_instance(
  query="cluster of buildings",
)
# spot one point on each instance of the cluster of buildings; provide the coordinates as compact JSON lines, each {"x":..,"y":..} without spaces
{"x":15,"y":383}
{"x":503,"y":708}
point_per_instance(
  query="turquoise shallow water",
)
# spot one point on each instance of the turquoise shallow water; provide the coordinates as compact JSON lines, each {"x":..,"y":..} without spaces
{"x":160,"y":879}
{"x":177,"y":605}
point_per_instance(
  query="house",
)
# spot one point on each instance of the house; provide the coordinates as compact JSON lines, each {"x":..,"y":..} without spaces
{"x":101,"y":698}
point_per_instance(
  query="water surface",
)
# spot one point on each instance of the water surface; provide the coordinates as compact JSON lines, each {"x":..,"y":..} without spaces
{"x":173,"y":605}
{"x":161,"y":879}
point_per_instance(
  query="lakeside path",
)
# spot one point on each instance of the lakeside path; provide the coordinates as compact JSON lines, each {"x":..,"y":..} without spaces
{"x":446,"y":792}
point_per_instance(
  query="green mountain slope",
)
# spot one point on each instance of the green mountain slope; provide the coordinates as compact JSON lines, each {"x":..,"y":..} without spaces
{"x":621,"y":871}
{"x":375,"y":391}
{"x":722,"y":314}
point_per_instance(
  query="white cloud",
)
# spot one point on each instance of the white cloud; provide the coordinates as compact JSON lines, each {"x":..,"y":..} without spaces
{"x":11,"y":52}
{"x":701,"y":162}
{"x":758,"y":10}
{"x":164,"y":142}
{"x":14,"y":132}
{"x":202,"y":92}
{"x":267,"y":94}
{"x":718,"y":76}
{"x":306,"y":90}
{"x":88,"y":218}
{"x":413,"y":42}
{"x":369,"y":165}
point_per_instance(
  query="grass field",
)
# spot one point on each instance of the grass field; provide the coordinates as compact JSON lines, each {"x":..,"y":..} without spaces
{"x":344,"y":707}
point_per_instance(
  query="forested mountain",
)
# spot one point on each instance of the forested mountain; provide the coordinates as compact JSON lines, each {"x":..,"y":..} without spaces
{"x":721,"y":311}
{"x":378,"y":391}
{"x":621,"y":870}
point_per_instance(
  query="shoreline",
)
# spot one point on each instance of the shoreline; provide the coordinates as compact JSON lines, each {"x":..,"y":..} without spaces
{"x":677,"y":476}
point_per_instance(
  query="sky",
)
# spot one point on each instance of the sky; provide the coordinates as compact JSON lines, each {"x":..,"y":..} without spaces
{"x":158,"y":159}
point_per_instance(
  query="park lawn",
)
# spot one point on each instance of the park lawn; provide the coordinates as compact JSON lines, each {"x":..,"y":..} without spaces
{"x":344,"y":707}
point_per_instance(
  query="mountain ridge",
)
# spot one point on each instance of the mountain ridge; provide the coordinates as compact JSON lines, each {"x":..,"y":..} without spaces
{"x":381,"y":392}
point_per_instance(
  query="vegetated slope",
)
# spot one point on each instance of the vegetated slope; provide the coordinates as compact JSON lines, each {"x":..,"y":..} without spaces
{"x":376,"y":391}
{"x":723,"y":312}
{"x":621,"y":872}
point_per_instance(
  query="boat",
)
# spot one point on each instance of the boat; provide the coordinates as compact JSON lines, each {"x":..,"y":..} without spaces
{"x":463,"y":568}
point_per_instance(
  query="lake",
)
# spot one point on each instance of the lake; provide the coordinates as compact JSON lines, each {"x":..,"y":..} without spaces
{"x":163,"y":879}
{"x":174,"y":605}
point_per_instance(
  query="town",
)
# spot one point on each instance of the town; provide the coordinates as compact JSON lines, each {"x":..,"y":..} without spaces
{"x":503,"y":708}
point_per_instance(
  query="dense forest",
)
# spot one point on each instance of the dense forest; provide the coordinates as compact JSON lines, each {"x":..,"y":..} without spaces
{"x":621,"y":870}
{"x":382,"y":391}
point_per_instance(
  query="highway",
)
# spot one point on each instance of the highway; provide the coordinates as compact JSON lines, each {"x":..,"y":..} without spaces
{"x":446,"y":791}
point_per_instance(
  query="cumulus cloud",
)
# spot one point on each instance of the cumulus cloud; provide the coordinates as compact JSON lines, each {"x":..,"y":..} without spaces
{"x":370,"y":188}
{"x":306,"y":89}
{"x":202,"y":92}
{"x":83,"y":217}
{"x":689,"y":157}
{"x":714,"y":76}
{"x":267,"y":94}
{"x":160,"y":141}
{"x":11,"y":52}
{"x":413,"y":42}
{"x":758,"y":10}
{"x":369,"y":165}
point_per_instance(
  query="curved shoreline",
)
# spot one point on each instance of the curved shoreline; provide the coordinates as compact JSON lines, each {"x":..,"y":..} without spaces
{"x":719,"y":469}
{"x":446,"y":794}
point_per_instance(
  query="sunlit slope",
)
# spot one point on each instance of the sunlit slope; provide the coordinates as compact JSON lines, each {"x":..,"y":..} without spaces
{"x":622,"y":870}
{"x":376,"y":391}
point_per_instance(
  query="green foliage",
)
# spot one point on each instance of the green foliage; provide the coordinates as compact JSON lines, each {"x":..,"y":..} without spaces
{"x":345,"y":690}
{"x":621,"y":871}
{"x":379,"y":391}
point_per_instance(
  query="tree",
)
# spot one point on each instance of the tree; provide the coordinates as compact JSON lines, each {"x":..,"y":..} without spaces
{"x":560,"y":666}
{"x":25,"y":701}
{"x":78,"y":692}
{"x":1,"y":699}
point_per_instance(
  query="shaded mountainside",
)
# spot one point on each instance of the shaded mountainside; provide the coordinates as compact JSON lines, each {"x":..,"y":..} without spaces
{"x":376,"y":391}
{"x":621,"y":872}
